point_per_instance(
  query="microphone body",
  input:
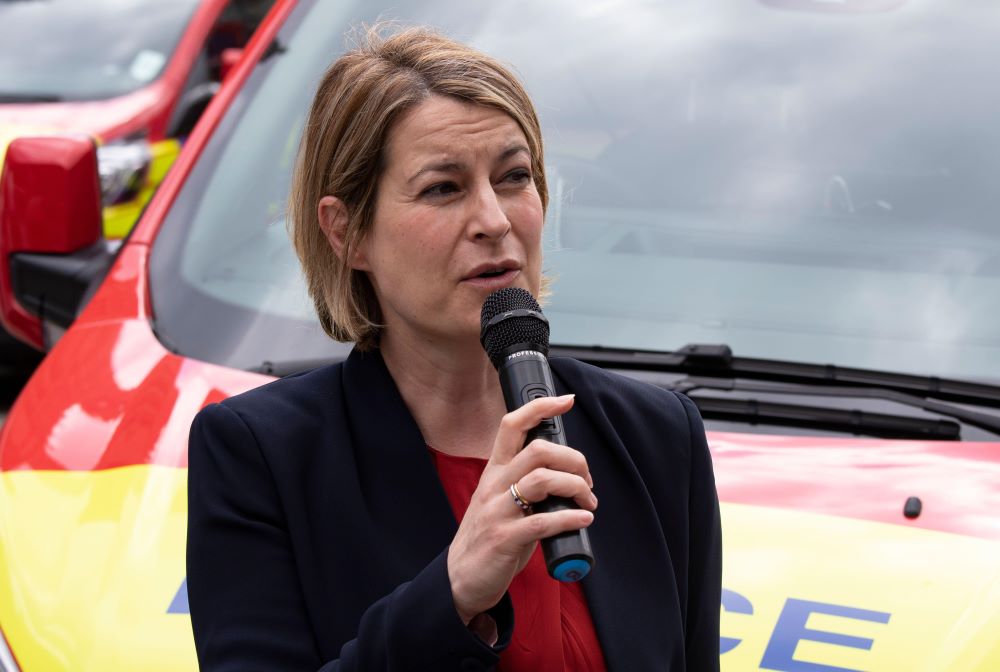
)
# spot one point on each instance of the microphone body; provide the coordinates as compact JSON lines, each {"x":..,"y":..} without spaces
{"x":515,"y":335}
{"x":525,"y":375}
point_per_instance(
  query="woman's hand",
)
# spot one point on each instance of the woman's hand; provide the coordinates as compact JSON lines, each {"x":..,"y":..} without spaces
{"x":496,"y":539}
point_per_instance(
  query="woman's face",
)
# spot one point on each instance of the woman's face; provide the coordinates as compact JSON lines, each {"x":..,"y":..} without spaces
{"x":457,"y":217}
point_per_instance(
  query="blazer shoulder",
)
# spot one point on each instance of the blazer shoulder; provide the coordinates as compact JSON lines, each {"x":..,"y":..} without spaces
{"x":654,"y":424}
{"x":287,"y":411}
{"x":617,"y":392}
{"x":297,"y":394}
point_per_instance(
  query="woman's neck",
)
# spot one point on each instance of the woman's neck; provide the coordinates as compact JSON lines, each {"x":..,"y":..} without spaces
{"x":452,"y":391}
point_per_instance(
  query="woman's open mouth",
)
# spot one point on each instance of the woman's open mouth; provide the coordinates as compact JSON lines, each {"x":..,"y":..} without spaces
{"x":494,"y":277}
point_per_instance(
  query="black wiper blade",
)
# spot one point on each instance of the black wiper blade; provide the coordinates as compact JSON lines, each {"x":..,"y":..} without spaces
{"x":11,"y":97}
{"x":718,"y":360}
{"x":990,"y":423}
{"x":291,"y":366}
{"x":757,"y":412}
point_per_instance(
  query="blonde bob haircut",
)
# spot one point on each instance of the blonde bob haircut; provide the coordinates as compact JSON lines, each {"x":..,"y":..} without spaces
{"x":342,"y":153}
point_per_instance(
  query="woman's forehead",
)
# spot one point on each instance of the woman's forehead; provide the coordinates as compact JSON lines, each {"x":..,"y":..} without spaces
{"x":444,"y":129}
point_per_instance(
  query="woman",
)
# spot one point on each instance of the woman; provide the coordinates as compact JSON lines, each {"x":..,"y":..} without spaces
{"x":361,"y":516}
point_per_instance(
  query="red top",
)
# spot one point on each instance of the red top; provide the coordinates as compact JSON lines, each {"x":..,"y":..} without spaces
{"x":553,"y":631}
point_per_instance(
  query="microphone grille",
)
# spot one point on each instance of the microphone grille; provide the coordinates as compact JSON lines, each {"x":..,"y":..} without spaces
{"x":511,"y":316}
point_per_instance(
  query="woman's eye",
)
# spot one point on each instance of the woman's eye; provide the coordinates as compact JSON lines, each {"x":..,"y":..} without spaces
{"x":519,"y":175}
{"x":440,"y":189}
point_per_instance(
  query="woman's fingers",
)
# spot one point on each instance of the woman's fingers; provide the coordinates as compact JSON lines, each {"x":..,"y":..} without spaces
{"x":541,"y":483}
{"x":539,"y":526}
{"x":545,"y":454}
{"x":495,"y":540}
{"x":514,"y":426}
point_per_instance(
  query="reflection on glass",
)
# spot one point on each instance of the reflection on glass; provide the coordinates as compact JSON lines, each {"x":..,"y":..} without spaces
{"x":798,"y":185}
{"x":54,"y":50}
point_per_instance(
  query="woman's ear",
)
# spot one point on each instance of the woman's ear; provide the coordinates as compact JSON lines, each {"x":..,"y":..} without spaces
{"x":333,"y":218}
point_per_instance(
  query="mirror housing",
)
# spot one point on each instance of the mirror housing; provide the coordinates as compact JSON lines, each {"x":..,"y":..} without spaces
{"x":50,"y":207}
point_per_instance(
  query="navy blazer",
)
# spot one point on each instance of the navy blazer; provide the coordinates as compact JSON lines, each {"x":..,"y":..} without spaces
{"x":318,"y":529}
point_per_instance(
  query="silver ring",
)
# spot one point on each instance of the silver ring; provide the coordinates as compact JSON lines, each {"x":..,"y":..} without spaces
{"x":518,"y":499}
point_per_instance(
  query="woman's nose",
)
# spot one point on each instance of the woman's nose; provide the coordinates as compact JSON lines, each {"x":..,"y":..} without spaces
{"x":487,"y":218}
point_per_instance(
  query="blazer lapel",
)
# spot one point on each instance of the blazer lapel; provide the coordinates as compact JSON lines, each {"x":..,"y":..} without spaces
{"x":403,"y":494}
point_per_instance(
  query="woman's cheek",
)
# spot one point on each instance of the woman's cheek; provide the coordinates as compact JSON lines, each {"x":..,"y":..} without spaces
{"x":529,"y":213}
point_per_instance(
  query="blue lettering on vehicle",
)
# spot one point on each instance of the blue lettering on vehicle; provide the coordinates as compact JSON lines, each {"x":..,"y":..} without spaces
{"x":735,"y":603}
{"x":179,"y":605}
{"x":791,"y":629}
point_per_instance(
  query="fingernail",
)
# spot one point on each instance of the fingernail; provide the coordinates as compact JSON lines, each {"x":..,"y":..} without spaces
{"x":566,"y":397}
{"x":586,"y":517}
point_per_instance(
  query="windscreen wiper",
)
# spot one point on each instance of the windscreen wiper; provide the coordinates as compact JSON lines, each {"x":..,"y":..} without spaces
{"x":753,"y":411}
{"x":12,"y":97}
{"x":291,"y":366}
{"x":882,"y":425}
{"x":990,"y":423}
{"x":718,"y":360}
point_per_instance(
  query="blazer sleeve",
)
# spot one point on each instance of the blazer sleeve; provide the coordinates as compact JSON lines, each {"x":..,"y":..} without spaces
{"x":248,"y":611}
{"x":705,"y":552}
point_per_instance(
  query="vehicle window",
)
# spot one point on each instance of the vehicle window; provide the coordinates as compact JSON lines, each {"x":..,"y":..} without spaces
{"x":69,"y":50}
{"x":232,"y":30}
{"x":799,"y":185}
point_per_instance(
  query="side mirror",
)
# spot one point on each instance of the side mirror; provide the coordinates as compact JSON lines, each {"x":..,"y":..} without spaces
{"x":228,"y":60}
{"x":190,"y":107}
{"x":50,"y":233}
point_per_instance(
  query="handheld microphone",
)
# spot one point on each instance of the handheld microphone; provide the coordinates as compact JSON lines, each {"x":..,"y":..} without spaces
{"x":515,"y":335}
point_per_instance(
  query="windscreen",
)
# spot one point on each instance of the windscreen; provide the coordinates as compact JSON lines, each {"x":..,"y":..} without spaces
{"x":53,"y":50}
{"x":799,"y":184}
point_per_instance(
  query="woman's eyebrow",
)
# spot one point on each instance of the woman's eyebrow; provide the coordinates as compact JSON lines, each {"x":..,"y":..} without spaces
{"x":451,"y":166}
{"x":513,"y":150}
{"x":439,"y":167}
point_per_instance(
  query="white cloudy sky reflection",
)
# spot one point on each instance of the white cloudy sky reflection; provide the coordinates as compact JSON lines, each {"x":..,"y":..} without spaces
{"x":801,"y":186}
{"x":853,"y":157}
{"x":95,"y":49}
